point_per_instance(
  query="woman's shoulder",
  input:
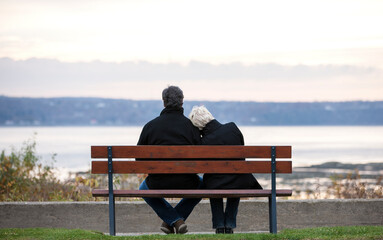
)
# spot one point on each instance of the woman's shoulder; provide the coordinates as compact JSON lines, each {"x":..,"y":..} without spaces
{"x":231,"y":125}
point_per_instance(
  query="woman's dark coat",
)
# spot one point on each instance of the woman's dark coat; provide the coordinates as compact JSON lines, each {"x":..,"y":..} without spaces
{"x":216,"y":133}
{"x":170,"y":128}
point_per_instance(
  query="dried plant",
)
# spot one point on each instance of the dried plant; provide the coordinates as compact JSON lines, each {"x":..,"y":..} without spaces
{"x":349,"y":186}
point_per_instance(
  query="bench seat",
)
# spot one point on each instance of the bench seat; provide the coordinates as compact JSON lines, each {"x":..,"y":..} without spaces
{"x":193,"y":193}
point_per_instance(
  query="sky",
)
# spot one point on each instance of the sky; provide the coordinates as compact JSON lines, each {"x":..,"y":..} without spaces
{"x":276,"y":50}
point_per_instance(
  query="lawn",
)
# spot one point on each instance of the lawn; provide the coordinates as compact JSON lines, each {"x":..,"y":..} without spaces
{"x":354,"y":232}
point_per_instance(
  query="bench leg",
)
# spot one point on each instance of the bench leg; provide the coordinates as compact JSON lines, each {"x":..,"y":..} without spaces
{"x":112,"y":211}
{"x":112,"y":216}
{"x":273,"y":197}
{"x":272,"y":214}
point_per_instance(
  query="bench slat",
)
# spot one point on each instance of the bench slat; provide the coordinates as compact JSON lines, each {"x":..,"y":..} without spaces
{"x":217,"y":151}
{"x":101,"y":167}
{"x":193,"y":193}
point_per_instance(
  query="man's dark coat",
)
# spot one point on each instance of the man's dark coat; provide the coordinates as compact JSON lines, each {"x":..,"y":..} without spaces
{"x":170,"y":128}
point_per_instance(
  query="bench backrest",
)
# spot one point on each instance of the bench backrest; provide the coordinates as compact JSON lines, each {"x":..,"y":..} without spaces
{"x":190,"y":159}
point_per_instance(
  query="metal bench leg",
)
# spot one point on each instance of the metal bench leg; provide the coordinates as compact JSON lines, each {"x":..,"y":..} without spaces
{"x":112,"y":211}
{"x":112,"y":217}
{"x":272,"y":215}
{"x":273,"y":197}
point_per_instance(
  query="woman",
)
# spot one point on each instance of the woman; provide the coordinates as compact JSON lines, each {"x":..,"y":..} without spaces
{"x":215,"y":133}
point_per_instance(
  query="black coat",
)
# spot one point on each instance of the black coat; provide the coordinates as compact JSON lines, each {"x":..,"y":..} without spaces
{"x":216,"y":133}
{"x":170,"y":128}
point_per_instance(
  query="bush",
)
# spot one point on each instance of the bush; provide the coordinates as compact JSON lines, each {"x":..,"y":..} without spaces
{"x":350,"y":186}
{"x":24,"y":178}
{"x":353,"y":186}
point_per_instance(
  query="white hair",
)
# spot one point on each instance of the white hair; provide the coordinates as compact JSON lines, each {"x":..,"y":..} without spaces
{"x":200,"y":116}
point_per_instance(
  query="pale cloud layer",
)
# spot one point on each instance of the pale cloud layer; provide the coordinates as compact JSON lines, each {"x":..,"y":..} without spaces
{"x":277,"y":50}
{"x":199,"y":80}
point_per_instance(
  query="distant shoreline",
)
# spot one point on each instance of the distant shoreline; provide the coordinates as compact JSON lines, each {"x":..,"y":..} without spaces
{"x":71,"y":111}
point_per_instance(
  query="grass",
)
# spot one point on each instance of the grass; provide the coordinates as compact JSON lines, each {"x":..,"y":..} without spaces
{"x":350,"y":232}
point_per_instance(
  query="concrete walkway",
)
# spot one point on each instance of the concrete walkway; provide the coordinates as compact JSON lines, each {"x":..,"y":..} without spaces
{"x":138,"y":218}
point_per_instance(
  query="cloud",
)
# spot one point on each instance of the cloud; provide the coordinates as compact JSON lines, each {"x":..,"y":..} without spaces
{"x":53,"y":70}
{"x":234,"y":81}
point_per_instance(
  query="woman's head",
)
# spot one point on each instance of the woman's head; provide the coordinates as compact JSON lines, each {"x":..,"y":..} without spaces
{"x":200,"y":116}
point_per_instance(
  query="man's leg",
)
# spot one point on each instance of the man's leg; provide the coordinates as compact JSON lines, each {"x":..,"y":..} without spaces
{"x":162,"y":208}
{"x":186,"y":205}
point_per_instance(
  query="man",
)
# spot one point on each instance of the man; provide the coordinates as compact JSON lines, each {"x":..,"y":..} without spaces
{"x":171,"y":128}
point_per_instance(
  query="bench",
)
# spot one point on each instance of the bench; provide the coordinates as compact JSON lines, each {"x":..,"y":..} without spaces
{"x":213,"y":159}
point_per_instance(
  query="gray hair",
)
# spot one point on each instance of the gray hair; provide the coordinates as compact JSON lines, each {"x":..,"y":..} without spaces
{"x":173,"y":97}
{"x":200,"y":116}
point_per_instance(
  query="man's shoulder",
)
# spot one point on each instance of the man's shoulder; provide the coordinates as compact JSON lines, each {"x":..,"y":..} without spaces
{"x":154,"y":120}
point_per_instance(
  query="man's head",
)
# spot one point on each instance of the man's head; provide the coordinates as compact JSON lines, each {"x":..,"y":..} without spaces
{"x":173,"y":97}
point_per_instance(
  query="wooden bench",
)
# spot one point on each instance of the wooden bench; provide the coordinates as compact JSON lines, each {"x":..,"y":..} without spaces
{"x":216,"y":159}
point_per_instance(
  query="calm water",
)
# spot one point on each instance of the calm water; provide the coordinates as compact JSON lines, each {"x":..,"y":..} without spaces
{"x":311,"y":145}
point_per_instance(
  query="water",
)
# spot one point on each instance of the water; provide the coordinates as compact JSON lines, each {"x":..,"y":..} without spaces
{"x":311,"y":145}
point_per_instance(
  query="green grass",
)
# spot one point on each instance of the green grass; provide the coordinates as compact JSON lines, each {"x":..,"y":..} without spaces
{"x":354,"y":232}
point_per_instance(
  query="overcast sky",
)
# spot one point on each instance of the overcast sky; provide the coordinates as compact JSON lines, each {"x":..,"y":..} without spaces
{"x":215,"y":50}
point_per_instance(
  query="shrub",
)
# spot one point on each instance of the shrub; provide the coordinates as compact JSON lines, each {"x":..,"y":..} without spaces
{"x":349,"y":186}
{"x":24,"y":178}
{"x":353,"y":186}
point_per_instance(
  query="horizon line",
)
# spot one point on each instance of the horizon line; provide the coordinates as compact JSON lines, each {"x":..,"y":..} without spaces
{"x":188,"y":100}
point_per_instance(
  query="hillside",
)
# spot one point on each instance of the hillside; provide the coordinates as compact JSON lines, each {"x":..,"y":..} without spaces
{"x":118,"y":112}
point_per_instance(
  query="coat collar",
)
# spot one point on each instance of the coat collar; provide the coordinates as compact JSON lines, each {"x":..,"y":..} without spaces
{"x":172,"y":110}
{"x":211,"y":127}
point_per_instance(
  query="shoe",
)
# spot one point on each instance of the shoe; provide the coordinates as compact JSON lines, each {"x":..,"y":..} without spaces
{"x":180,"y":227}
{"x":228,"y":230}
{"x":166,"y":228}
{"x":219,"y":230}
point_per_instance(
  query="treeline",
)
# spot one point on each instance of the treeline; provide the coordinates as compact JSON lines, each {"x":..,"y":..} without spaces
{"x":121,"y":112}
